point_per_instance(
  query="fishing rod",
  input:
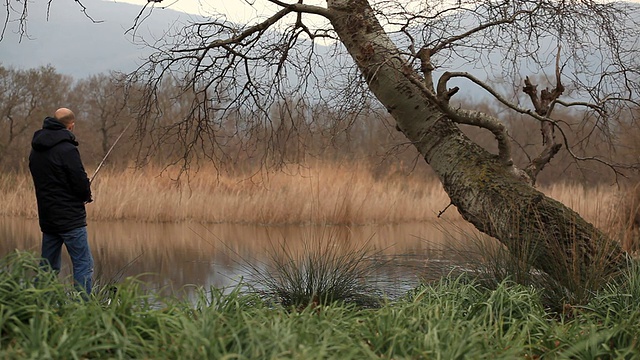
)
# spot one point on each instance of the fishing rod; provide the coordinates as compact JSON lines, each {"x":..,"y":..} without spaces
{"x":109,"y":152}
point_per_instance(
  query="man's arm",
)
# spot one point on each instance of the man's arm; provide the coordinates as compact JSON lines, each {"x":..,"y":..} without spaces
{"x":77,"y":176}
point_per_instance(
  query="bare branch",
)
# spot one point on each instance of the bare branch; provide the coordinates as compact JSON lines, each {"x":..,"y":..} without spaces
{"x":537,"y":164}
{"x":552,"y":148}
{"x":613,"y":166}
{"x":507,"y":20}
{"x":543,"y":106}
{"x":449,"y":75}
{"x":84,"y":9}
{"x":492,"y":124}
{"x":22,"y":12}
{"x":260,"y":27}
{"x":426,"y":67}
{"x":462,"y":116}
{"x":479,"y":119}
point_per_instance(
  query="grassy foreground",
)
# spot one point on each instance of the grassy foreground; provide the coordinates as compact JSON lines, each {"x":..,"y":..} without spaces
{"x":452,"y":319}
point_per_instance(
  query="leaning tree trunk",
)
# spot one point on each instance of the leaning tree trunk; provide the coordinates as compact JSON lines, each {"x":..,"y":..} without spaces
{"x":485,"y":190}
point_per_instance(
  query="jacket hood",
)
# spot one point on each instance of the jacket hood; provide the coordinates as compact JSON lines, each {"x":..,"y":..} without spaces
{"x":52,"y":133}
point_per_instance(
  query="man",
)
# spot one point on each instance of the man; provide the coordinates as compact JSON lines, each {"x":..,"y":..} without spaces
{"x":62,"y":190}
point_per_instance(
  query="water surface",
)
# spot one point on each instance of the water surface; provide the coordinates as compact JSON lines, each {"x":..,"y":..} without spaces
{"x":169,"y":256}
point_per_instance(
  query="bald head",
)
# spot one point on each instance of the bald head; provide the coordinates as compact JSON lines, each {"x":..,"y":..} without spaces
{"x":66,"y":117}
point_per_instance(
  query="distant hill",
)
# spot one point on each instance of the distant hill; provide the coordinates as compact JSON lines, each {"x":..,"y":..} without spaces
{"x":75,"y":45}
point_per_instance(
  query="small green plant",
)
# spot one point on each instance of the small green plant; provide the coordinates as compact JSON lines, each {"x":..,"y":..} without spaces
{"x":25,"y":288}
{"x":324,"y":270}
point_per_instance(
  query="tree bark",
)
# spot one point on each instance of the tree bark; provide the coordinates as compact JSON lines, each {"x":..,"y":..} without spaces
{"x":486,"y":191}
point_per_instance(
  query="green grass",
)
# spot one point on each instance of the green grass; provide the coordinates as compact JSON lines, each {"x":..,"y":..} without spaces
{"x":565,"y":284}
{"x":455,"y":318}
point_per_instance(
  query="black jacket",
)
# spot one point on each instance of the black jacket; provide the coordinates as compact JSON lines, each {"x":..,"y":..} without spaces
{"x":62,"y":185}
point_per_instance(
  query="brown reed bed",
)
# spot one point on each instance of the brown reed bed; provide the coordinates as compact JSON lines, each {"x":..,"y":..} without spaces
{"x":317,"y":194}
{"x":597,"y":204}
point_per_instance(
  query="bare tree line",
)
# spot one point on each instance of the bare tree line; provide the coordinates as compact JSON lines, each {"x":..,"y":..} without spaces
{"x":292,"y":131}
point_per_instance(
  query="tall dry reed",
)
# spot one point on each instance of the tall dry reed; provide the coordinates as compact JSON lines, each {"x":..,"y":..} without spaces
{"x":328,"y":194}
{"x":17,"y":197}
{"x":595,"y":203}
{"x":625,"y":222}
{"x":320,"y":193}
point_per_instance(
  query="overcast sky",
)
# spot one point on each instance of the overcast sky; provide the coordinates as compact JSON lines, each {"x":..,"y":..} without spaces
{"x":74,"y":45}
{"x":236,"y":10}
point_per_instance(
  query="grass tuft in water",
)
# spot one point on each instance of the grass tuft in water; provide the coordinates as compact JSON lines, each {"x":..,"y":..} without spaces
{"x":323,"y":271}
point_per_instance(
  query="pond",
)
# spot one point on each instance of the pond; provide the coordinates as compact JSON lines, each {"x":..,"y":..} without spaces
{"x":168,"y":256}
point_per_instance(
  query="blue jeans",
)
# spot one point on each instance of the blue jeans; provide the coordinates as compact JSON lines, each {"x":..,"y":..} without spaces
{"x":77,"y":244}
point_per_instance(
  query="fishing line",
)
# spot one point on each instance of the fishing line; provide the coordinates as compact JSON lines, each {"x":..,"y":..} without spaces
{"x":109,"y":152}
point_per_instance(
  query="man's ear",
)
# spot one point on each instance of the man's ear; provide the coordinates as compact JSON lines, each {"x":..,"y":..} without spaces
{"x":71,"y":126}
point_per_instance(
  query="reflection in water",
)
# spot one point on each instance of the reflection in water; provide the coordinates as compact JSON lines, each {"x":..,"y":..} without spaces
{"x":169,"y":256}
